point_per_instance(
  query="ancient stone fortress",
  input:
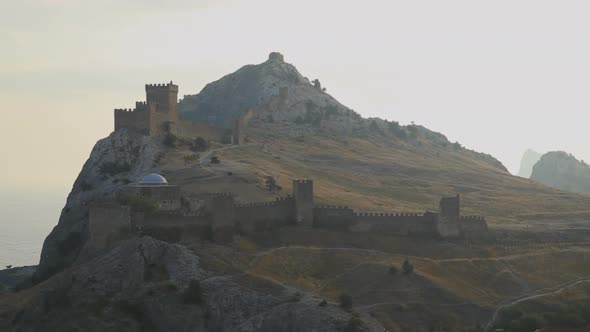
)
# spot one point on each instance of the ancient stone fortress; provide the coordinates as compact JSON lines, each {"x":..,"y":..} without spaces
{"x":158,"y":115}
{"x":218,"y":216}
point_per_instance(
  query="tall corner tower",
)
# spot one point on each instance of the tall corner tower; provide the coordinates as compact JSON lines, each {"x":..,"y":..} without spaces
{"x":303,"y":196}
{"x":164,"y":96}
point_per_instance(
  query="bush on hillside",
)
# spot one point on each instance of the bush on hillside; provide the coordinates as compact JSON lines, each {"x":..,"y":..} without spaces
{"x":407,"y":267}
{"x":199,"y":144}
{"x":193,"y":293}
{"x":140,"y":203}
{"x":170,"y":140}
{"x":113,"y":168}
{"x":345,"y":301}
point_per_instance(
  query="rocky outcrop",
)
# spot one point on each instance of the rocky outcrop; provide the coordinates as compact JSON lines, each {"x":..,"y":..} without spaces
{"x":305,"y":108}
{"x":148,"y":285}
{"x":563,"y":171}
{"x":115,"y":161}
{"x":529,"y":159}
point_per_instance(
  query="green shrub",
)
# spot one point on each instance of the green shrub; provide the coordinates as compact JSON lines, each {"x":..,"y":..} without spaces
{"x":345,"y":301}
{"x":191,"y":158}
{"x":199,"y":144}
{"x":114,"y":168}
{"x":407,"y":267}
{"x":193,"y":293}
{"x":141,"y":203}
{"x":271,"y":184}
{"x":354,"y":324}
{"x":170,"y":140}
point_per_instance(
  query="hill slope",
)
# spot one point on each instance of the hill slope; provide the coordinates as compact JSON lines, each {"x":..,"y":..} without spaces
{"x":371,"y":164}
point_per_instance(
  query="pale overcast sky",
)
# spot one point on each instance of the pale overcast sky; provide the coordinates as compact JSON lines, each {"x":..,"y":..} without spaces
{"x":498,"y":76}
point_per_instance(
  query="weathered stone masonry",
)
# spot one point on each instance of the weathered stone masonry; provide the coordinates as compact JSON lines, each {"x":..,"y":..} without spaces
{"x":222,"y":217}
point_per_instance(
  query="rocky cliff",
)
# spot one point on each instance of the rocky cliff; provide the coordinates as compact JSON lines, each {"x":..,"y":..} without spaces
{"x":563,"y":171}
{"x":529,"y":159}
{"x":147,"y":285}
{"x":114,"y":161}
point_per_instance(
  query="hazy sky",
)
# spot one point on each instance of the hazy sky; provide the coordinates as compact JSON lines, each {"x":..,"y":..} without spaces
{"x":498,"y":76}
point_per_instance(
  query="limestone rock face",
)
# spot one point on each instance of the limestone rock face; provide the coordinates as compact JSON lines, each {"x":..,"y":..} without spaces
{"x":232,"y":96}
{"x":303,"y":108}
{"x":529,"y":159}
{"x":142,"y":285}
{"x":563,"y":171}
{"x":114,"y":161}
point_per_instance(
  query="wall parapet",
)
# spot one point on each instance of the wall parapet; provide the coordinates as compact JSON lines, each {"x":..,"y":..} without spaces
{"x":472,"y":218}
{"x":379,"y":214}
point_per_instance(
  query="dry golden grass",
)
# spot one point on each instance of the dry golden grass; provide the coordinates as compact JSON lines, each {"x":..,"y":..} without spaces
{"x":402,"y":177}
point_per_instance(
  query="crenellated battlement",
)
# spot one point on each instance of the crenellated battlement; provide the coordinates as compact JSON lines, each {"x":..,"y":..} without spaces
{"x":388,"y":215}
{"x":332,"y":207}
{"x":307,"y":181}
{"x":279,"y":201}
{"x":472,"y":218}
{"x":170,"y":85}
{"x":125,"y":110}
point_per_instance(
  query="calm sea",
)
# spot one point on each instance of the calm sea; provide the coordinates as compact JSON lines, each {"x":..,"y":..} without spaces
{"x":27,"y":215}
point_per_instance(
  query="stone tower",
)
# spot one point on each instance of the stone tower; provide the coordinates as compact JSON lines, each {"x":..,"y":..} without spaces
{"x":303,"y":195}
{"x":223,"y":221}
{"x":449,"y":213}
{"x":164,"y":97}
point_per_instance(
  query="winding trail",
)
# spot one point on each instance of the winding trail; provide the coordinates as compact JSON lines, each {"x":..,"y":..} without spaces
{"x":536,"y":294}
{"x":209,"y":153}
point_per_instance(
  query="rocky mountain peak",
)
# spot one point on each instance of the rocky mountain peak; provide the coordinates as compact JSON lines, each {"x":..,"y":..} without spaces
{"x":529,"y":159}
{"x":562,"y":170}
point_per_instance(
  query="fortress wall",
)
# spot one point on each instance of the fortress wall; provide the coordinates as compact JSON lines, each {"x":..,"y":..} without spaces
{"x":133,"y":119}
{"x":396,"y":223}
{"x":191,"y":129}
{"x":160,"y":121}
{"x":168,"y":197}
{"x":448,"y":227}
{"x":255,"y":217}
{"x":108,"y":223}
{"x":172,"y":219}
{"x":173,"y":226}
{"x":222,"y":210}
{"x":473,"y":226}
{"x":334,"y":217}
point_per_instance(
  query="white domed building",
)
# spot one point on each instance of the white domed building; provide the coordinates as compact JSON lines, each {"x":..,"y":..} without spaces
{"x":156,"y":186}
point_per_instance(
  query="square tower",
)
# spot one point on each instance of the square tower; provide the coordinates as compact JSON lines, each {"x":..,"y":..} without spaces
{"x":303,"y":196}
{"x":164,"y":97}
{"x":450,"y":207}
{"x":449,"y":213}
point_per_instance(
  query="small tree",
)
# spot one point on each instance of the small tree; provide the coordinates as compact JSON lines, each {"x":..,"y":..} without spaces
{"x":354,"y":324}
{"x":345,"y":301}
{"x":199,"y":145}
{"x":194,"y":293}
{"x":271,"y":184}
{"x":407,"y":267}
{"x":170,"y":140}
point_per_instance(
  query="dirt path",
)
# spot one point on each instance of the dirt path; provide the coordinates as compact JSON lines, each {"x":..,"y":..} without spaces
{"x":536,"y":294}
{"x":209,"y":153}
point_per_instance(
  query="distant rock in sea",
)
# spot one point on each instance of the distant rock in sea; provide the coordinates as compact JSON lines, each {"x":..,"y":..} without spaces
{"x":563,"y":171}
{"x":529,"y":159}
